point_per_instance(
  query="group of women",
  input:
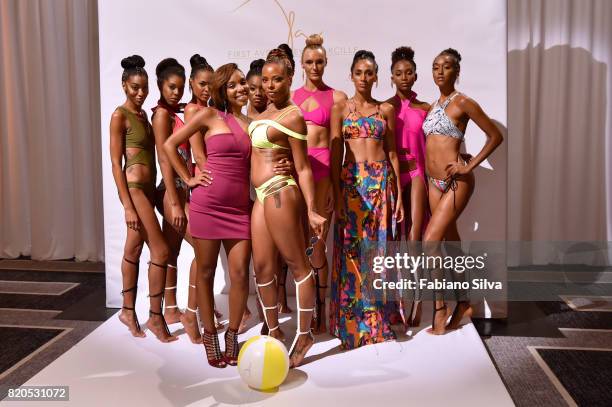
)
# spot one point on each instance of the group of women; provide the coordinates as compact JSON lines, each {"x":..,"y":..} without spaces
{"x":309,"y":154}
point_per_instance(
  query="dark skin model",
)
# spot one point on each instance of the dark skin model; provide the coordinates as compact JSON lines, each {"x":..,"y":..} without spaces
{"x":363,"y":76}
{"x":276,"y":224}
{"x":200,"y":89}
{"x":207,"y":122}
{"x":441,"y":153}
{"x":414,"y":197}
{"x":174,"y":206}
{"x":139,"y":214}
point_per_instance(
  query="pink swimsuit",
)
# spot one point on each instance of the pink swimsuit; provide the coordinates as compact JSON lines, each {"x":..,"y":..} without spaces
{"x":409,"y":138}
{"x":184,"y":149}
{"x":319,"y":156}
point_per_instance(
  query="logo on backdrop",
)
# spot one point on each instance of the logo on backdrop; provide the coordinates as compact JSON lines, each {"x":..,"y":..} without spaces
{"x":289,"y":20}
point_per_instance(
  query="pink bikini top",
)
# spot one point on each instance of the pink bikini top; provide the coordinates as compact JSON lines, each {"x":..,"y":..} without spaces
{"x":184,"y":149}
{"x":409,"y":136}
{"x":325,"y":98}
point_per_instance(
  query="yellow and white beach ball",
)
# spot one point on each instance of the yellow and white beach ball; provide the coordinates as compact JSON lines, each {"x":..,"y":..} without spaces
{"x":263,"y":362}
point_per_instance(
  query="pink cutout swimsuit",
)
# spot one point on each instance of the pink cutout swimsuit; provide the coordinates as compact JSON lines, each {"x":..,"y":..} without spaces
{"x":319,"y":157}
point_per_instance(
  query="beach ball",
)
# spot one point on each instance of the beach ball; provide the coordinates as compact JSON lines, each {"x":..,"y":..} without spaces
{"x":263,"y":362}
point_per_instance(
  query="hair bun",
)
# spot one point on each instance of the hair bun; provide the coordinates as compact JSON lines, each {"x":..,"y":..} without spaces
{"x":134,"y":61}
{"x":314,"y":40}
{"x":197,"y":60}
{"x":257,"y":64}
{"x":402,"y":53}
{"x":453,"y":52}
{"x":363,"y":54}
{"x":165,"y":64}
{"x":287,"y":50}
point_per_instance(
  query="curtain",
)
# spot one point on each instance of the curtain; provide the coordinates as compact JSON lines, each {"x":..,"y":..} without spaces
{"x":559,"y":115}
{"x":50,"y":169}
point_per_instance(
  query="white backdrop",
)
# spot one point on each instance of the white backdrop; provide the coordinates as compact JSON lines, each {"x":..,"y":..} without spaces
{"x":240,"y":31}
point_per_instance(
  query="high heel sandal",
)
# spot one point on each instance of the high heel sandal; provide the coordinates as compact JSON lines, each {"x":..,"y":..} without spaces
{"x":265,"y":328}
{"x":320,"y":303}
{"x":454,"y":323}
{"x":159,"y":313}
{"x":299,"y":312}
{"x":231,"y":347}
{"x":432,"y":330}
{"x":213,"y":350}
{"x":414,"y":318}
{"x":133,"y":307}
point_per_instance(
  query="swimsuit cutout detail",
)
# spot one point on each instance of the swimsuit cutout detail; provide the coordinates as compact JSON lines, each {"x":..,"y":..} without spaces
{"x":258,"y":131}
{"x":140,"y":135}
{"x":355,"y":125}
{"x":324,"y":98}
{"x":438,"y":122}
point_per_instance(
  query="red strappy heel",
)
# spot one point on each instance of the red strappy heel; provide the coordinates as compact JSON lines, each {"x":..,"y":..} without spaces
{"x":213,"y":350}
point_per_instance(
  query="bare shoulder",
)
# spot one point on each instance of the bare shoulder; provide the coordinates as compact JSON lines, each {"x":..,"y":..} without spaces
{"x":191,"y":108}
{"x":392,"y":101}
{"x":294,"y":121}
{"x":419,"y":104}
{"x":161,"y":116}
{"x":466,"y":103}
{"x":340,"y":105}
{"x":387,"y":109}
{"x":339,"y":96}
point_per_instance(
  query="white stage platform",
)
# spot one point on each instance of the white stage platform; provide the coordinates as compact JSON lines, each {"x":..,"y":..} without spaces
{"x":111,"y":368}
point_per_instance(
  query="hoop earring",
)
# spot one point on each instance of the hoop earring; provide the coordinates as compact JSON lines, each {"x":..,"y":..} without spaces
{"x":376,"y":84}
{"x":303,"y":76}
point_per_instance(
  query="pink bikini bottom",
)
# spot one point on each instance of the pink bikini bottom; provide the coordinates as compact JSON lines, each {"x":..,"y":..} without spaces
{"x":319,"y":162}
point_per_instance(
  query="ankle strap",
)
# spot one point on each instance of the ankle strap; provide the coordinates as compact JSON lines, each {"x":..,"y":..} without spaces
{"x":129,"y":289}
{"x":155,"y":295}
{"x":135,"y":263}
{"x":265,"y":284}
{"x":171,"y":266}
{"x":170,"y":288}
{"x":158,"y":265}
{"x":191,"y":309}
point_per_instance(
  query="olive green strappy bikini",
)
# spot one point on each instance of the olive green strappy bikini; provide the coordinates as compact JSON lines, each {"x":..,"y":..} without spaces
{"x":140,"y":135}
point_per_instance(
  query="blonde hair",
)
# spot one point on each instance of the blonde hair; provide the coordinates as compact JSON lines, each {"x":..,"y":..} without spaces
{"x":314,"y":41}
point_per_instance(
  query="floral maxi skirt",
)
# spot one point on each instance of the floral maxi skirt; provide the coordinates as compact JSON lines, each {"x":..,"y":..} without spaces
{"x":359,"y":315}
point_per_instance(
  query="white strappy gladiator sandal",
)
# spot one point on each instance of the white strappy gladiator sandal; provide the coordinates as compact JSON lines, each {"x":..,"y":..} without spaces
{"x":264,"y":308}
{"x":299,"y":311}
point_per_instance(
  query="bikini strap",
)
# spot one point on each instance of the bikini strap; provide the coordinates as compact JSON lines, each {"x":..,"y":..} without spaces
{"x":448,"y":100}
{"x":285,"y":130}
{"x":285,"y":112}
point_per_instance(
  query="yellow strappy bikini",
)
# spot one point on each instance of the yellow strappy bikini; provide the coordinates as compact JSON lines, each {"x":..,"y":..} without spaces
{"x":258,"y":131}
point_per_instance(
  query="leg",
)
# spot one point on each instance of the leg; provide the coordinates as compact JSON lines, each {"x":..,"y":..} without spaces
{"x":189,"y":318}
{"x":463,"y":307}
{"x":152,"y":234}
{"x":129,"y":273}
{"x":446,"y":208}
{"x":281,"y":277}
{"x":418,"y":210}
{"x":318,"y":260}
{"x":207,"y":252}
{"x":238,"y":258}
{"x":282,"y":217}
{"x":264,"y":264}
{"x":172,"y":314}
